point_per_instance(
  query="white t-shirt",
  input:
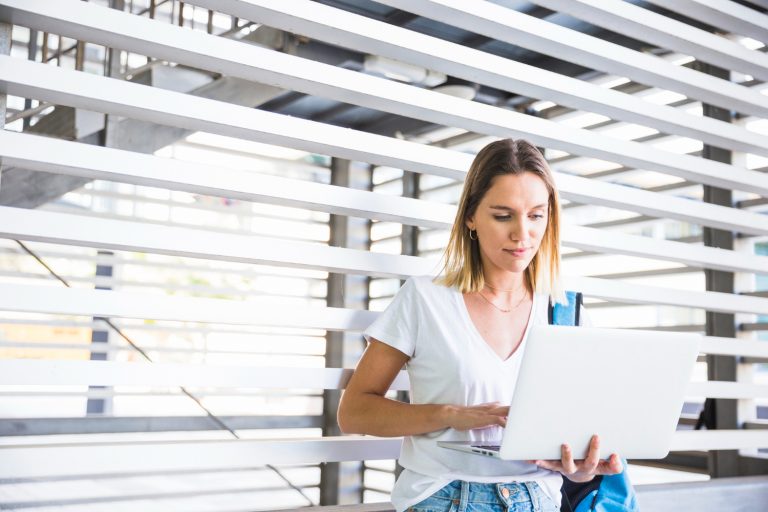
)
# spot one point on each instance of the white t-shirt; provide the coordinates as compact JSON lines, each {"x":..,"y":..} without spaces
{"x":450,"y":363}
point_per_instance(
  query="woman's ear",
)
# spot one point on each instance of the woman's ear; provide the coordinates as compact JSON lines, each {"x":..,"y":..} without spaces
{"x":470,"y":223}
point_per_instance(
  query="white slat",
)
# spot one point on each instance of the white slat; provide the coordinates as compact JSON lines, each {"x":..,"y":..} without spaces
{"x":103,"y":303}
{"x":95,"y":162}
{"x":87,"y":302}
{"x":646,"y":25}
{"x":86,"y":459}
{"x":82,"y":90}
{"x":114,"y":373}
{"x":716,"y":345}
{"x":637,"y":66}
{"x":16,"y":223}
{"x":81,"y":230}
{"x":686,"y":440}
{"x":633,"y":293}
{"x":723,"y":14}
{"x":354,"y":31}
{"x":33,"y":461}
{"x":720,"y":389}
{"x":591,"y":239}
{"x":71,"y":158}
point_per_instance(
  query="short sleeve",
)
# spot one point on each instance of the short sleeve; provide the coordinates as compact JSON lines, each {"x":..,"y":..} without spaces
{"x":397,"y":325}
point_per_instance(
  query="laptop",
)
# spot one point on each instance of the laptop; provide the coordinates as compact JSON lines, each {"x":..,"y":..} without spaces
{"x":627,"y":386}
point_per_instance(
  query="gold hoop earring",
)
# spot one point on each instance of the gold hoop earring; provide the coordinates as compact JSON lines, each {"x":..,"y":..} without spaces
{"x":470,"y":234}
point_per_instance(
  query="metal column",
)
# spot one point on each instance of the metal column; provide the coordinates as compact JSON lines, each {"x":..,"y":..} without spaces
{"x":100,"y":406}
{"x":719,"y":413}
{"x":342,"y":483}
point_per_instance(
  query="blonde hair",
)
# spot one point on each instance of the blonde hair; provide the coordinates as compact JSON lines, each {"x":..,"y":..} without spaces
{"x":462,"y":267}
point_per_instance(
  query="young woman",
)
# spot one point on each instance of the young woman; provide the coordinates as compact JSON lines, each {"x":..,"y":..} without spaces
{"x":461,"y":338}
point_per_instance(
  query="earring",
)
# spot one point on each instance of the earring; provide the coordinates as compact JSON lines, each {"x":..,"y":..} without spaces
{"x":470,"y":234}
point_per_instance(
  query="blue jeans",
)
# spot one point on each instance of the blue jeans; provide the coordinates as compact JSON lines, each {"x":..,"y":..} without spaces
{"x":460,"y":496}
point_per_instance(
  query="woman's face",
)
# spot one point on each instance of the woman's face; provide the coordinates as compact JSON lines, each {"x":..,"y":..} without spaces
{"x":511,"y":220}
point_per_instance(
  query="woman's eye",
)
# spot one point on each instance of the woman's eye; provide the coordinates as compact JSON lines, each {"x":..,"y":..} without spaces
{"x":537,"y":216}
{"x":502,"y":217}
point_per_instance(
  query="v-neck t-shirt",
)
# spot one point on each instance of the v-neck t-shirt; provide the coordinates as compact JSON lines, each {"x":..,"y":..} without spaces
{"x":451,"y":363}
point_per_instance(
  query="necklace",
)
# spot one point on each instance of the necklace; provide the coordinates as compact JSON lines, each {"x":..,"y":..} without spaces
{"x":499,"y":308}
{"x":500,"y":290}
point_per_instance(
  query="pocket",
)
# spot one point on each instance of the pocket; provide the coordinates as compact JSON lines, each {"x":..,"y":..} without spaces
{"x":442,"y":500}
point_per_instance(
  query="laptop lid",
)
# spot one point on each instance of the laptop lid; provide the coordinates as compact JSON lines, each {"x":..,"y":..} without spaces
{"x":628,"y":386}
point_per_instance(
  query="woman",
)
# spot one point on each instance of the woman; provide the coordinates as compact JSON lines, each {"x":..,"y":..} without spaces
{"x":461,"y":338}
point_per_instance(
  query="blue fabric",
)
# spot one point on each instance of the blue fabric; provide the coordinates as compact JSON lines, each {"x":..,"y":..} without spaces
{"x":460,"y":496}
{"x":609,"y":493}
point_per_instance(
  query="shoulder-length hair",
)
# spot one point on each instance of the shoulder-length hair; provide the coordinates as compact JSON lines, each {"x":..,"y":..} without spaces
{"x":462,"y":267}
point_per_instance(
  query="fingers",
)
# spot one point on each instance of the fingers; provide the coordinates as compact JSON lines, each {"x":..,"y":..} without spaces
{"x":566,"y":459}
{"x":612,"y":466}
{"x":593,"y":455}
{"x":552,"y":465}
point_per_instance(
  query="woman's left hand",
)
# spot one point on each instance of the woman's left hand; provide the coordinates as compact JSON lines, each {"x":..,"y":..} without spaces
{"x":586,"y":469}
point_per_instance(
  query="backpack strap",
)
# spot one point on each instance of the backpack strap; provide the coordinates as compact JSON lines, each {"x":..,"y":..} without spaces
{"x":572,"y":494}
{"x":566,"y":314}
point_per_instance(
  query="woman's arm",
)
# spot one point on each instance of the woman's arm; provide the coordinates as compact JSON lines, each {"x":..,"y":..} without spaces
{"x":364,"y":409}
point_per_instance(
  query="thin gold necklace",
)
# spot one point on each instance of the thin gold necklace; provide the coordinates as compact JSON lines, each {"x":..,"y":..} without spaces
{"x":502,"y":309}
{"x":500,"y":290}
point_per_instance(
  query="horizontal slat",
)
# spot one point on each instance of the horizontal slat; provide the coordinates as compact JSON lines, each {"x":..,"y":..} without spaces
{"x":104,"y":458}
{"x":18,"y":223}
{"x":88,"y":161}
{"x":633,"y":293}
{"x":686,"y":440}
{"x":723,"y":14}
{"x":663,"y":206}
{"x":646,"y":25}
{"x":715,"y":345}
{"x":86,"y":302}
{"x":103,"y":303}
{"x":593,"y":239}
{"x":123,"y":424}
{"x":49,"y":155}
{"x":82,"y":90}
{"x":354,"y":31}
{"x":718,"y":389}
{"x":113,"y":373}
{"x":639,"y":67}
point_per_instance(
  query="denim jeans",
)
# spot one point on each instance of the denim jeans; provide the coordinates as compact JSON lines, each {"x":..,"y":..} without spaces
{"x":460,"y":496}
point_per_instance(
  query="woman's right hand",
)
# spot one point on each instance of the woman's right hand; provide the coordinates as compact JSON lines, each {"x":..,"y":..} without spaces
{"x":476,"y":416}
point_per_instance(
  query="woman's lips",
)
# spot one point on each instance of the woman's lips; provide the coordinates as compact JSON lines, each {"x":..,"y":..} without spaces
{"x":517,"y":252}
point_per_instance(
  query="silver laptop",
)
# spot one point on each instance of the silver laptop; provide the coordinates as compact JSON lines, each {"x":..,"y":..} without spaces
{"x":627,"y":386}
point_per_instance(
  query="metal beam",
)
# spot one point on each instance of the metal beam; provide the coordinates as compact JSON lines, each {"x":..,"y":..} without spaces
{"x":720,"y":413}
